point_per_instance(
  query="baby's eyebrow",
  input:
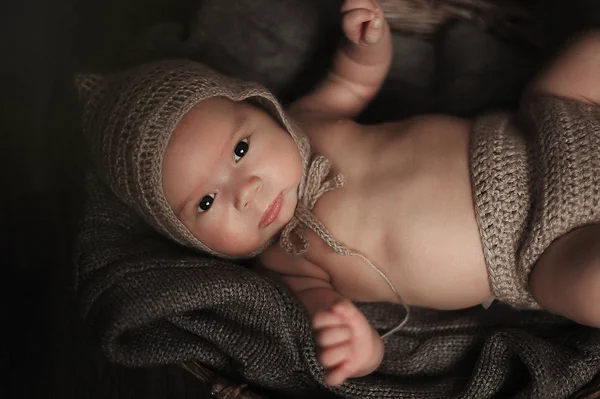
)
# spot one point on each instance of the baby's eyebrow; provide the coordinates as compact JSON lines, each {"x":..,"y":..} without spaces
{"x":234,"y":133}
{"x":240,"y":122}
{"x":192,"y":202}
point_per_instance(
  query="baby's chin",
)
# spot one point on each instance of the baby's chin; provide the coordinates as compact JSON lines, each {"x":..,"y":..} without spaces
{"x":245,"y":251}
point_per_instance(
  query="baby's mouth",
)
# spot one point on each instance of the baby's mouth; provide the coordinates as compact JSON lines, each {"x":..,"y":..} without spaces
{"x":272,"y":212}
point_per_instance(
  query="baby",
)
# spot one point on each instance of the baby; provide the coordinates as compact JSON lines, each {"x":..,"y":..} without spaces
{"x":432,"y":211}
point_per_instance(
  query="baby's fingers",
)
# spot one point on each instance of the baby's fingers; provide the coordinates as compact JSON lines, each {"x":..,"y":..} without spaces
{"x":357,"y":321}
{"x":337,"y":375}
{"x":362,"y":26}
{"x":326,"y":319}
{"x":350,"y":5}
{"x":373,"y":30}
{"x":334,"y":355}
{"x":333,"y":336}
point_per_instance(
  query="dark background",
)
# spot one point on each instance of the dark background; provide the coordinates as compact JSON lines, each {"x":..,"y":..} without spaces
{"x":46,"y":351}
{"x":44,"y":345}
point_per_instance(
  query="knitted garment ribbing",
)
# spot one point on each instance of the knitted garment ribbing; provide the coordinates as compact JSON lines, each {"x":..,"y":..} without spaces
{"x":534,"y":179}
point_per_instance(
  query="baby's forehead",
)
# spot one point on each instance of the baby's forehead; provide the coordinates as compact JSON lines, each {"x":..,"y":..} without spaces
{"x":205,"y":125}
{"x":212,"y":125}
{"x":214,"y":116}
{"x":197,"y":148}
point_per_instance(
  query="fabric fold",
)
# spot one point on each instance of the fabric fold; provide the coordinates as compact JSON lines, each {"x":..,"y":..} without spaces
{"x":149,"y":301}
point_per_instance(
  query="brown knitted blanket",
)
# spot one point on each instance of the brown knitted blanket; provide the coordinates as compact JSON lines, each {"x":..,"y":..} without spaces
{"x":150,"y":301}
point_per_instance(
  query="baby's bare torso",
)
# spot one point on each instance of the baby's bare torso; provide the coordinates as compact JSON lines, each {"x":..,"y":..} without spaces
{"x":407,"y":206}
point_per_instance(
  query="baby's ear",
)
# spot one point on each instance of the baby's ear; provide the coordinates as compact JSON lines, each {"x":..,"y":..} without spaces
{"x":89,"y":85}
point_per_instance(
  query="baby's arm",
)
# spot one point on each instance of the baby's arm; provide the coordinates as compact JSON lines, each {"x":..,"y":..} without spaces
{"x":347,"y":344}
{"x":575,"y":73}
{"x":566,"y":278}
{"x":359,"y":68}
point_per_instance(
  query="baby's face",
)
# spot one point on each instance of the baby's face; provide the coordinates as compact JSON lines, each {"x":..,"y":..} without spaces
{"x":231,"y":175}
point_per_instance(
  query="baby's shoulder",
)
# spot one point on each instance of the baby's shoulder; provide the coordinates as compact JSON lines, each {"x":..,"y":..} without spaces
{"x":315,"y":122}
{"x":324,"y":132}
{"x":435,"y":130}
{"x":276,"y":259}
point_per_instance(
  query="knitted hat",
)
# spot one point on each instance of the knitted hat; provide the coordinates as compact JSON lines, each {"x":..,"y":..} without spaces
{"x":130,"y":116}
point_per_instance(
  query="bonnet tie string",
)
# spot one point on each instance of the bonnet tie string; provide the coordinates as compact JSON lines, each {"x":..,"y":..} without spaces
{"x":293,"y":240}
{"x":316,"y":183}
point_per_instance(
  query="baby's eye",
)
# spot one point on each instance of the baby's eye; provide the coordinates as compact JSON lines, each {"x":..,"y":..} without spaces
{"x":205,"y":203}
{"x":241,"y":148}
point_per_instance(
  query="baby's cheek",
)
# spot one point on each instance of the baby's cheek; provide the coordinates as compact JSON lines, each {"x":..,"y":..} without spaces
{"x":236,"y":240}
{"x":289,"y":164}
{"x":215,"y":236}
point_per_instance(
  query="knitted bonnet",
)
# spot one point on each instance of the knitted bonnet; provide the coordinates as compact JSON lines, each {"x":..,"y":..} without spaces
{"x":130,"y":116}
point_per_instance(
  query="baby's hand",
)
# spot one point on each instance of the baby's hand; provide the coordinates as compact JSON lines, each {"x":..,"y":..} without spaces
{"x":362,"y":21}
{"x":348,"y":345}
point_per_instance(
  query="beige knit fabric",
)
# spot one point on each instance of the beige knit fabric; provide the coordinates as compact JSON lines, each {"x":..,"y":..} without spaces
{"x":292,"y":238}
{"x":130,"y":116}
{"x":531,"y":188}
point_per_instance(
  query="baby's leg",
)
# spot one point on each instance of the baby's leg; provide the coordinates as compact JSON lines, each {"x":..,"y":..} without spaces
{"x":566,"y":278}
{"x":575,"y":73}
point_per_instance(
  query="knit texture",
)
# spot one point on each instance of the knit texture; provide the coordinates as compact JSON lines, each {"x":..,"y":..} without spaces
{"x":129,"y":118}
{"x":530,"y":190}
{"x":316,"y":183}
{"x":149,"y":301}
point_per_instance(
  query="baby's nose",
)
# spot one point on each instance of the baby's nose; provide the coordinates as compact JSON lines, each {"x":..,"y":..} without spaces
{"x":247,"y":192}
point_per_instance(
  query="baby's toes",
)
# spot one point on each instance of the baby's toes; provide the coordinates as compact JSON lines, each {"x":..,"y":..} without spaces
{"x":349,"y":5}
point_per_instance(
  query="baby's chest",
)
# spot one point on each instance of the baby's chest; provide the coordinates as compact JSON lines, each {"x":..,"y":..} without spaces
{"x":365,"y":218}
{"x":366,"y":211}
{"x":356,"y":260}
{"x":426,"y":248}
